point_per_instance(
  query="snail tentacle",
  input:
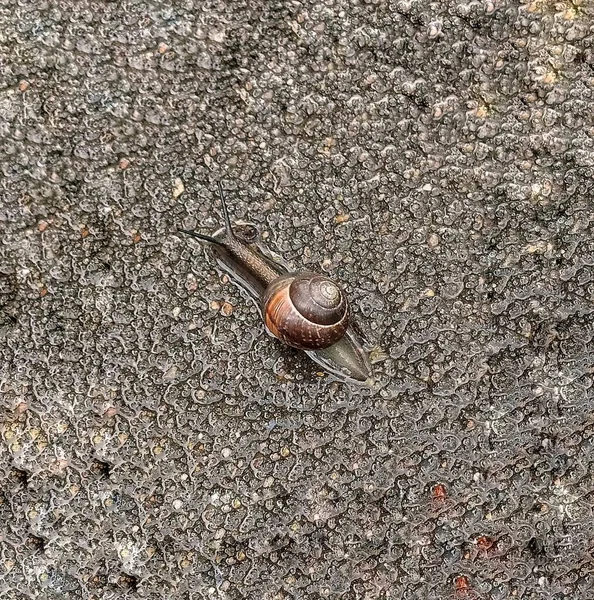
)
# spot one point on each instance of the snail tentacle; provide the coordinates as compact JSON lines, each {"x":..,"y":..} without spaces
{"x":228,"y":226}
{"x":201,"y":236}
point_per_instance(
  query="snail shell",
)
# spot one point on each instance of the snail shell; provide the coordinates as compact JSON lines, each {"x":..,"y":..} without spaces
{"x":306,"y":310}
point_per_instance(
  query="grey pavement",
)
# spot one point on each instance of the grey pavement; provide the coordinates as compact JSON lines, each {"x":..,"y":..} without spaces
{"x":436,"y":158}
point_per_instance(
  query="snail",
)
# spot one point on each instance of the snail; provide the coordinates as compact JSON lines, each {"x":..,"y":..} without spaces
{"x":305,"y":310}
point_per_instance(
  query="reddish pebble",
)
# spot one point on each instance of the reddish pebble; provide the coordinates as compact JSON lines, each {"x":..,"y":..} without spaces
{"x":439,"y":492}
{"x":461,"y":583}
{"x":226,"y":309}
{"x":484,"y":542}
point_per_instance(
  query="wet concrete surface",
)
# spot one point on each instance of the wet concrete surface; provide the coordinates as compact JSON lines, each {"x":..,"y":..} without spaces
{"x":437,"y":159}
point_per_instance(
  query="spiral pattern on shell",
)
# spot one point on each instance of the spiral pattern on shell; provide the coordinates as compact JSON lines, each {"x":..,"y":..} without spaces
{"x":306,"y":311}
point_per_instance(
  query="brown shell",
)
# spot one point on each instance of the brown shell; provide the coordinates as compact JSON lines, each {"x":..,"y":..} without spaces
{"x":306,"y":311}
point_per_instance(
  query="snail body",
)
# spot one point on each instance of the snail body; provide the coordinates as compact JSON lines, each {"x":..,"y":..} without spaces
{"x":307,"y":311}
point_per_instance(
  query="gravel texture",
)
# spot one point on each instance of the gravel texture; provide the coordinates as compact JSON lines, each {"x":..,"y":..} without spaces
{"x":437,"y":158}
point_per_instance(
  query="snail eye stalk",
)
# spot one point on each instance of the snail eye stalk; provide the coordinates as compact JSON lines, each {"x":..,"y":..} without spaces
{"x":201,"y":236}
{"x":228,"y":227}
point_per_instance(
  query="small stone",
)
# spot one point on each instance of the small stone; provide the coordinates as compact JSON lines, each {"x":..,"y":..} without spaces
{"x":433,"y":240}
{"x":377,"y":355}
{"x":439,"y":492}
{"x":285,"y":451}
{"x":216,"y":36}
{"x":484,"y":542}
{"x":215,"y":305}
{"x":226,"y":452}
{"x":110,"y":412}
{"x":434,"y":29}
{"x":461,"y":583}
{"x":549,"y":77}
{"x":170,"y":374}
{"x":481,"y":112}
{"x":42,"y":226}
{"x":124,"y":163}
{"x":178,"y":188}
{"x":537,"y":248}
{"x":570,"y":14}
{"x":227,"y":309}
{"x":23,"y":85}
